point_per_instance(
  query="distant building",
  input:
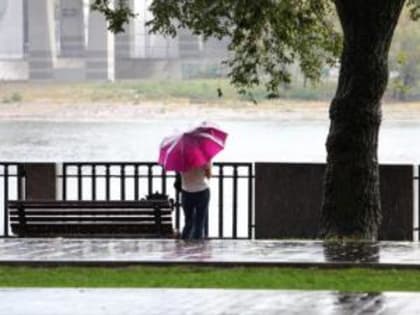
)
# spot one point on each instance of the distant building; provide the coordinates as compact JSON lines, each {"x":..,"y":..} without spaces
{"x":64,"y":40}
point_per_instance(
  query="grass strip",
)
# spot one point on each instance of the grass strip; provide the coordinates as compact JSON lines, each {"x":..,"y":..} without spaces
{"x":137,"y":91}
{"x":209,"y":277}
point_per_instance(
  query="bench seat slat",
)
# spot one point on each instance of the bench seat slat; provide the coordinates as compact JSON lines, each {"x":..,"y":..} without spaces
{"x":69,"y":230}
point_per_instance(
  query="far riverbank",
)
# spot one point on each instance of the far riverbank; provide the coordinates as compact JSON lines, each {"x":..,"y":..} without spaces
{"x":280,"y":110}
{"x":204,"y":99}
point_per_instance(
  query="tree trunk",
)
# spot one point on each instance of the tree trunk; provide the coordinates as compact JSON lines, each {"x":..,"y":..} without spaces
{"x":351,"y":204}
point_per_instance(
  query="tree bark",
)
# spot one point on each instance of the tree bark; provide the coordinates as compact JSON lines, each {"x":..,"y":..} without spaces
{"x":351,"y":202}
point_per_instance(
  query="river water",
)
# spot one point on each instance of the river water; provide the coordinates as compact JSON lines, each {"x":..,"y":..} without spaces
{"x":250,"y":141}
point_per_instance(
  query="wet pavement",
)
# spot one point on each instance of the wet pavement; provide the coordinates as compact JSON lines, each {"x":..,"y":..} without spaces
{"x":211,"y":252}
{"x":150,"y":301}
{"x":203,"y":302}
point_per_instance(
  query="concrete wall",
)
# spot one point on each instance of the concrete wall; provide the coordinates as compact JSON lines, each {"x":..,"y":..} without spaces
{"x":397,"y":202}
{"x":40,"y":181}
{"x":288,"y":200}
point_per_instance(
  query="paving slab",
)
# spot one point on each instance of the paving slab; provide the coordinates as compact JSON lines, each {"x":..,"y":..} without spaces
{"x":202,"y":301}
{"x":67,"y":251}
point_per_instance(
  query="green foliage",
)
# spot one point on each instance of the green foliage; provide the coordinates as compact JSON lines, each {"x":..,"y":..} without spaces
{"x":15,"y":97}
{"x":116,"y":16}
{"x":399,"y":85}
{"x":206,"y":277}
{"x":265,"y":36}
{"x":405,"y":58}
{"x":414,"y":6}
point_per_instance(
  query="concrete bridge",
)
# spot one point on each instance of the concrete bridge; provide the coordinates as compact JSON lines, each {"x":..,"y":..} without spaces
{"x":65,"y":40}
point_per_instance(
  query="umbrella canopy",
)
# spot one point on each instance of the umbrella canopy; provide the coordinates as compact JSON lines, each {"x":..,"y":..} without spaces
{"x":193,"y":148}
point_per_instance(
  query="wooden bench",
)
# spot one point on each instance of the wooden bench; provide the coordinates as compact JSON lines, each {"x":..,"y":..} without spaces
{"x":143,"y":218}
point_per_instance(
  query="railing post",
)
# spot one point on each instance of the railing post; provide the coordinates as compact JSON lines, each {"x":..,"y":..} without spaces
{"x":122,"y":173}
{"x":107,"y":182}
{"x":177,"y":210}
{"x":163,"y":179}
{"x":235,"y":203}
{"x":64,"y":181}
{"x":6,"y":199}
{"x":417,"y":206}
{"x":20,"y":176}
{"x":250,"y":202}
{"x":149,"y":179}
{"x":79,"y":182}
{"x":220,"y":200}
{"x":136,"y":182}
{"x":93,"y":170}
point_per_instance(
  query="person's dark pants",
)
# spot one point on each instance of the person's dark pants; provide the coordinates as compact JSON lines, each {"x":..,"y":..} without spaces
{"x":196,"y":207}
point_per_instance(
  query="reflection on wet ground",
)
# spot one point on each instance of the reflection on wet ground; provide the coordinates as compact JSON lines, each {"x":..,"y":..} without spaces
{"x":203,"y":301}
{"x":168,"y":251}
{"x":357,"y":252}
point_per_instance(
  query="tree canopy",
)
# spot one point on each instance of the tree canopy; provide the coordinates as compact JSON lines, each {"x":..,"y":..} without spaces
{"x":265,"y":36}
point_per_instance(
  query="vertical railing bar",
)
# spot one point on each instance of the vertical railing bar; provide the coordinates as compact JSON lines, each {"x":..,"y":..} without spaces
{"x":20,"y":174}
{"x":79,"y":182}
{"x":64,"y":181}
{"x":235,"y":203}
{"x":250,"y":201}
{"x":93,"y":174}
{"x":220,"y":182}
{"x":149,"y":179}
{"x":107,"y":182}
{"x":6,"y":199}
{"x":177,"y":210}
{"x":163,"y":179}
{"x":136,"y":182}
{"x":418,"y":203}
{"x":206,"y":222}
{"x":122,"y":182}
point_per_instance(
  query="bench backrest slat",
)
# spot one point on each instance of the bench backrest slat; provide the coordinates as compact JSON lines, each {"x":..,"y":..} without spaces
{"x":90,"y":204}
{"x":88,"y":212}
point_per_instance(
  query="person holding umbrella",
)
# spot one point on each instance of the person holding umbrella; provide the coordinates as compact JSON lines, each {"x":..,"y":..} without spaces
{"x":195,"y":194}
{"x":190,"y":154}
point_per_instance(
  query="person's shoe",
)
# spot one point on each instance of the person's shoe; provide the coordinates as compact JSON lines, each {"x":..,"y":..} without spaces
{"x":176,"y":234}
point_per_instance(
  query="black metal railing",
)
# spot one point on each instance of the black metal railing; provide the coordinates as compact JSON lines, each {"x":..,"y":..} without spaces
{"x":232,"y":190}
{"x":133,"y":181}
{"x":11,"y":178}
{"x":231,"y":207}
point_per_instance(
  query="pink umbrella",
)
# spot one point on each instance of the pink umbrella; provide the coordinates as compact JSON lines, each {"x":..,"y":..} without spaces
{"x":190,"y":149}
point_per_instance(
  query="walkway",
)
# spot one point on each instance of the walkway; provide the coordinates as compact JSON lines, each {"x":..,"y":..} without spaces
{"x":114,"y":252}
{"x":150,"y":301}
{"x":203,"y":302}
